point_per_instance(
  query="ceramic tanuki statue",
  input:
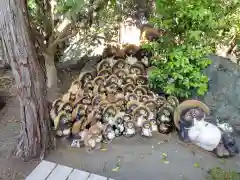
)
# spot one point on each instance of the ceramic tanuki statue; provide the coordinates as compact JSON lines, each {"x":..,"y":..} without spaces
{"x":189,"y":118}
{"x":114,"y":99}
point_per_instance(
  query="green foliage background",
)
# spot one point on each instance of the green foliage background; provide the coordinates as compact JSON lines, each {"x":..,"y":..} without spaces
{"x":192,"y":32}
{"x":193,"y":28}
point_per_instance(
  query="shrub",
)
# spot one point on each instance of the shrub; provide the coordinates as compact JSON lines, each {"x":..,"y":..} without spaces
{"x":191,"y":28}
{"x":179,"y":71}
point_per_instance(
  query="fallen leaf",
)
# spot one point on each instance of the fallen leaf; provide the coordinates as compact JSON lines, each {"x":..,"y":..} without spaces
{"x":103,"y":149}
{"x":196,"y":165}
{"x":164,"y":154}
{"x":116,"y":169}
{"x":166,"y":162}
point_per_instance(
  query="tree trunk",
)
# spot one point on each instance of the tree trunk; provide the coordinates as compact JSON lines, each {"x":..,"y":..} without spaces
{"x":15,"y":32}
{"x":51,"y":71}
{"x":6,"y":62}
{"x":2,"y":58}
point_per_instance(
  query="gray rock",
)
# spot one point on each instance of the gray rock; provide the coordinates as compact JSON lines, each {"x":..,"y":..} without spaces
{"x":223,"y":96}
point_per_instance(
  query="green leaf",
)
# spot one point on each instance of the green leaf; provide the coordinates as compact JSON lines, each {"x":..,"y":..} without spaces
{"x":166,"y":162}
{"x":116,"y":169}
{"x":196,"y":165}
{"x":103,"y":149}
{"x":202,"y":89}
{"x":164,"y":155}
{"x":186,"y":83}
{"x":195,"y":35}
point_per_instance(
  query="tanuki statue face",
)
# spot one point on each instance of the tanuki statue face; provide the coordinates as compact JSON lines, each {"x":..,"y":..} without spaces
{"x":72,"y":96}
{"x":105,"y":65}
{"x":166,"y":112}
{"x":130,"y":125}
{"x":101,"y":89}
{"x":120,"y":65}
{"x":129,"y":80}
{"x":87,"y":78}
{"x":139,"y":93}
{"x":160,"y":102}
{"x":144,"y":98}
{"x":143,"y":112}
{"x":140,"y":82}
{"x":98,"y":114}
{"x":86,"y":100}
{"x":127,"y":118}
{"x":146,"y":125}
{"x":135,"y":70}
{"x":121,"y":74}
{"x":68,"y":107}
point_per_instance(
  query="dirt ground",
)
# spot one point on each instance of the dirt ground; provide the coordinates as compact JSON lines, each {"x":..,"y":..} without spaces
{"x":10,"y":167}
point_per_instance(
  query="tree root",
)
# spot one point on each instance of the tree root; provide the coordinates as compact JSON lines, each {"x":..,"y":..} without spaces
{"x":18,"y":150}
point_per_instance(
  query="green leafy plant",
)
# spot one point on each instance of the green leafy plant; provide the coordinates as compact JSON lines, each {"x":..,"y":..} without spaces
{"x":219,"y":173}
{"x":191,"y":28}
{"x":178,"y":71}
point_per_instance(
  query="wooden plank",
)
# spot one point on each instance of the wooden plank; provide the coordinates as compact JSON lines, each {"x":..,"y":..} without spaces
{"x":42,"y":171}
{"x":60,"y":173}
{"x":78,"y":175}
{"x":96,"y":177}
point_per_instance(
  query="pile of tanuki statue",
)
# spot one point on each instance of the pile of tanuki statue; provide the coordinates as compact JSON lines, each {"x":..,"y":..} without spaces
{"x":113,"y":100}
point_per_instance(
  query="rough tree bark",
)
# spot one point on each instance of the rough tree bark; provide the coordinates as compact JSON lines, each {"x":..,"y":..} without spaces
{"x":2,"y":60}
{"x":35,"y":135}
